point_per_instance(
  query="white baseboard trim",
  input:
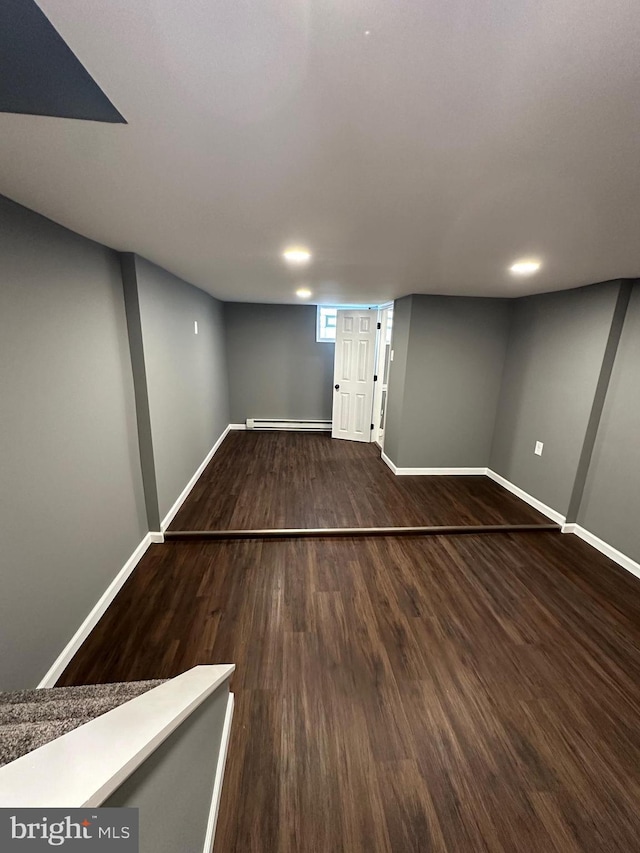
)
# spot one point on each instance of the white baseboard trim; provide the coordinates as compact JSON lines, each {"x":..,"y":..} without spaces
{"x":551,"y":513}
{"x":437,"y":472}
{"x":431,"y":472}
{"x":219,"y":778}
{"x":156,"y":537}
{"x":64,"y":658}
{"x":388,"y":462}
{"x":185,"y":492}
{"x":237,"y":426}
{"x":604,"y":548}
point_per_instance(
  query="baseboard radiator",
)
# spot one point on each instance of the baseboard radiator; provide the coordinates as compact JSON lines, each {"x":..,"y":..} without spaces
{"x":300,"y":425}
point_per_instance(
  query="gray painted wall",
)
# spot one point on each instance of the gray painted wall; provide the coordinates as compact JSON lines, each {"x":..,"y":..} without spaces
{"x":173,"y":787}
{"x":71,"y":502}
{"x":556,"y":347}
{"x":455,"y":356}
{"x":397,"y":375}
{"x":602,"y":387}
{"x":611,"y":502}
{"x":141,"y":391}
{"x":186,"y":375}
{"x":276,"y":368}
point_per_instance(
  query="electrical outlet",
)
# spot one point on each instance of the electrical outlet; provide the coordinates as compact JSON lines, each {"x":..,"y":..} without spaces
{"x":391,"y":356}
{"x":538,"y":450}
{"x":195,"y":327}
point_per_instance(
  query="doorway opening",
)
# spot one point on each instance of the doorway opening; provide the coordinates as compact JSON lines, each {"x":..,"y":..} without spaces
{"x":363,"y":354}
{"x":384,"y":357}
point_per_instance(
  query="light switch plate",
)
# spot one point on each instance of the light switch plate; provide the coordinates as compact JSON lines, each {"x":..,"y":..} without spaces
{"x":538,"y":450}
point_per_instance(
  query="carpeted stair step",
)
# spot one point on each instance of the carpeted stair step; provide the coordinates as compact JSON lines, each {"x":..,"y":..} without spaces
{"x":31,"y":718}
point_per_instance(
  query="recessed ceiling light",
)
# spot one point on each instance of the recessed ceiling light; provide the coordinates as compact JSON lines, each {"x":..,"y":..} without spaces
{"x":297,"y":255}
{"x":303,"y":292}
{"x":527,"y":267}
{"x":367,"y":32}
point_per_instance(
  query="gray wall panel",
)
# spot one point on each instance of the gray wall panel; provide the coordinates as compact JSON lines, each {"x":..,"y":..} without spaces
{"x":71,"y":502}
{"x":397,"y":377}
{"x":445,"y":380}
{"x":602,"y":387}
{"x":276,"y":368}
{"x":187,"y":382}
{"x":555,"y":354}
{"x":145,"y":437}
{"x":454,"y":368}
{"x":611,"y":502}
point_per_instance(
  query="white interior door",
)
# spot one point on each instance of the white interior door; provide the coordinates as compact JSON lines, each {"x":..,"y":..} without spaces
{"x":353,"y":370}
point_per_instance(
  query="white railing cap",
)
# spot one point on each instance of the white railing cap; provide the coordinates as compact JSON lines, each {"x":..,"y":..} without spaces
{"x":85,"y":766}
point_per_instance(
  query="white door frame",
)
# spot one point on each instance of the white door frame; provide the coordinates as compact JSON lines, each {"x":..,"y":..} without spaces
{"x":380,"y":385}
{"x":353,"y":372}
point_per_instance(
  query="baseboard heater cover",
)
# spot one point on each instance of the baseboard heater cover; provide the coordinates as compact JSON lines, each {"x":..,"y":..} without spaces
{"x":277,"y":423}
{"x":312,"y":532}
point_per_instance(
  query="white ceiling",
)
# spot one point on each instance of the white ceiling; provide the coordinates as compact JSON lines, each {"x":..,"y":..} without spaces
{"x":423,"y":158}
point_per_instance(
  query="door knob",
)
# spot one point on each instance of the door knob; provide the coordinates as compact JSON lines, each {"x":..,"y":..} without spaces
{"x":336,"y":387}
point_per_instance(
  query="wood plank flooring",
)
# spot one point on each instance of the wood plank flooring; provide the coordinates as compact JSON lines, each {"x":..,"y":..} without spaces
{"x":288,"y":479}
{"x":458,"y":694}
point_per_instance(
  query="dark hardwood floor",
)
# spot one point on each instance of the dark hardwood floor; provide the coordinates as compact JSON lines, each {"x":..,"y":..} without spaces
{"x":288,"y":479}
{"x":457,"y":694}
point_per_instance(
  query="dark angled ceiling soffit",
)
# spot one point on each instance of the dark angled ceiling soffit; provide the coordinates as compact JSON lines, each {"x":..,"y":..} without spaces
{"x":40,"y":75}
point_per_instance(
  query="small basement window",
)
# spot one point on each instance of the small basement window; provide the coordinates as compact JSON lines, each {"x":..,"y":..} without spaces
{"x":326,"y":320}
{"x":326,"y":323}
